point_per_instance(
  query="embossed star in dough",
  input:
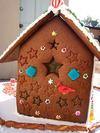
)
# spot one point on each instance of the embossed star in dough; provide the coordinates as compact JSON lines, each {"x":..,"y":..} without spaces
{"x":23,"y":60}
{"x":24,"y":95}
{"x":62,"y":102}
{"x":32,"y":53}
{"x":37,"y":100}
{"x":77,"y":101}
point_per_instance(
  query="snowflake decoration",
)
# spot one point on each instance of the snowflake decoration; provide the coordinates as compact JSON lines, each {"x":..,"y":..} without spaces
{"x":50,"y":81}
{"x":77,"y":113}
{"x":47,"y":101}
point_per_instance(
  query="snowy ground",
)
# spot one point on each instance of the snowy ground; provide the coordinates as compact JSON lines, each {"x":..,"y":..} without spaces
{"x":8,"y":109}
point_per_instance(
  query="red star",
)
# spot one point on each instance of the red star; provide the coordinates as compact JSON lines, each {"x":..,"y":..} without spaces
{"x":23,"y":60}
{"x":32,"y":53}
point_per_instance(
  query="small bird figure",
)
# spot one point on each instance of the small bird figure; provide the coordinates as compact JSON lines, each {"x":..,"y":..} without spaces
{"x":64,"y":89}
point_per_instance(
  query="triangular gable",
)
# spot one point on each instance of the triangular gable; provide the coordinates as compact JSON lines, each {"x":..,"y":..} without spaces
{"x":68,"y":17}
{"x":11,"y":53}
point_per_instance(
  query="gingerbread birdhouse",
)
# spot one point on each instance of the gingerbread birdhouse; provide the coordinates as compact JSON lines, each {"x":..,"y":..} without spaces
{"x":55,"y":57}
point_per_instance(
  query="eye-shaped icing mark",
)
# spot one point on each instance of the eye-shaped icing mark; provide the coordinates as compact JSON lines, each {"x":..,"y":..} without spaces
{"x":85,"y":76}
{"x":63,"y":50}
{"x":21,"y":71}
{"x":42,"y":48}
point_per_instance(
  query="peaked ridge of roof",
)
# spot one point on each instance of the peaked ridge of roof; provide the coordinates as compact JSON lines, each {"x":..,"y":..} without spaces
{"x":66,"y":13}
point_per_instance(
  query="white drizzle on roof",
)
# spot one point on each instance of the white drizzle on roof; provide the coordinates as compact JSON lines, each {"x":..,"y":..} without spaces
{"x":65,"y":11}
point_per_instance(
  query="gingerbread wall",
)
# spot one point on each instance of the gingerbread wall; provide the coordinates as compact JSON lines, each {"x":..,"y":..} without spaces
{"x":46,"y":65}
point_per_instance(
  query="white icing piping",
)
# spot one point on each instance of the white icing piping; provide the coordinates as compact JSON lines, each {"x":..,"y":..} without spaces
{"x":25,"y":31}
{"x":69,"y":15}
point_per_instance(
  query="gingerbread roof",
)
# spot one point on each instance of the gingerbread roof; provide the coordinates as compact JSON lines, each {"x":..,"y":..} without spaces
{"x":11,"y":53}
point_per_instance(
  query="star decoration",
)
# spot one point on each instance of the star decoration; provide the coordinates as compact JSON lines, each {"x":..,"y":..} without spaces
{"x":32,"y":53}
{"x":23,"y":60}
{"x":24,"y":95}
{"x":21,"y":79}
{"x":62,"y":102}
{"x":52,"y":67}
{"x":77,"y":101}
{"x":37,"y":100}
{"x":54,"y":33}
{"x":73,"y":57}
{"x":50,"y":81}
{"x":54,"y":44}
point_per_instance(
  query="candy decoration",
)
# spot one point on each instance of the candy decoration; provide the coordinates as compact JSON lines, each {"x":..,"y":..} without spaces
{"x":21,"y":71}
{"x":37,"y":113}
{"x":42,"y":48}
{"x":63,"y":50}
{"x":47,"y":101}
{"x":31,"y":71}
{"x":21,"y":101}
{"x":50,"y":81}
{"x":54,"y":33}
{"x":58,"y":117}
{"x":85,"y":76}
{"x":57,"y":3}
{"x":77,"y":113}
{"x":73,"y":74}
{"x":64,"y":89}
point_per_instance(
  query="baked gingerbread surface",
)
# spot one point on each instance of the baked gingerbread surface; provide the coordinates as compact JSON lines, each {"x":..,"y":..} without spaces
{"x":54,"y":74}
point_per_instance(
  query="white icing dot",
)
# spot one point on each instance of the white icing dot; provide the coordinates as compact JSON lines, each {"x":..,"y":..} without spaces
{"x":47,"y":101}
{"x":63,"y":50}
{"x":85,"y":76}
{"x":42,"y":48}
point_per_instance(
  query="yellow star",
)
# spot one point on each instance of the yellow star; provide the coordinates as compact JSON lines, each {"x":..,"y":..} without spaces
{"x":54,"y":33}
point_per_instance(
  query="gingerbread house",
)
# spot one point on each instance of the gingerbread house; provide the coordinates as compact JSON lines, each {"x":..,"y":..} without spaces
{"x":55,"y":57}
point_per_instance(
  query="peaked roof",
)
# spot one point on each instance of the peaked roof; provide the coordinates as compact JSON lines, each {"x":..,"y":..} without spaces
{"x":11,"y":53}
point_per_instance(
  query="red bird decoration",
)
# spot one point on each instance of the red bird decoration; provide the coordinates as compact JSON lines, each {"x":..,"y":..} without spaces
{"x":64,"y":89}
